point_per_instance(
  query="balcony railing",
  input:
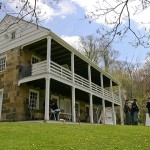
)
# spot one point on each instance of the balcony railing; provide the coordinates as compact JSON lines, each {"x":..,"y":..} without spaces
{"x":66,"y":74}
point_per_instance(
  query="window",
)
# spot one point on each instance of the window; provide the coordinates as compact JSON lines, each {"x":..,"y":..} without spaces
{"x":13,"y":35}
{"x":35,"y":59}
{"x":34,"y":99}
{"x":2,"y":63}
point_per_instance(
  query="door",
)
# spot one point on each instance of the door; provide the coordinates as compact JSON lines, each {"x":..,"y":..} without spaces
{"x":1,"y":99}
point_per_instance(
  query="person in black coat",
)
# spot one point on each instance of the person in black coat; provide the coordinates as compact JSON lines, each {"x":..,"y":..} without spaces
{"x":148,"y":105}
{"x":127,"y":112}
{"x":54,"y":107}
{"x":134,"y":112}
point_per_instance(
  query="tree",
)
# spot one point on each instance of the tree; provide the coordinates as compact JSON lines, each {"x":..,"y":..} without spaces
{"x":118,"y":15}
{"x":93,"y":48}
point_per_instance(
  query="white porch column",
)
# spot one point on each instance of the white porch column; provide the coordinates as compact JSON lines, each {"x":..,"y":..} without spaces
{"x":112,"y":95}
{"x":48,"y":53}
{"x":73,"y":105}
{"x":102,"y":83}
{"x":113,"y":114}
{"x":89,"y":76}
{"x":121,"y":108}
{"x":72,"y":66}
{"x":103,"y":101}
{"x":91,"y":108}
{"x":73,"y":89}
{"x":90,"y":94}
{"x":104,"y":118}
{"x":47,"y":93}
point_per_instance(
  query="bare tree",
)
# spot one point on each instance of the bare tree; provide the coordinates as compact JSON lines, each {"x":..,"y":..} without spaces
{"x":93,"y":48}
{"x":24,"y":9}
{"x":118,"y":17}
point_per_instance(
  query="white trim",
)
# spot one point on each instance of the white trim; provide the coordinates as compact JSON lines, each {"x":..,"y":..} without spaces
{"x":1,"y":102}
{"x":31,"y":78}
{"x":37,"y":101}
{"x":33,"y":41}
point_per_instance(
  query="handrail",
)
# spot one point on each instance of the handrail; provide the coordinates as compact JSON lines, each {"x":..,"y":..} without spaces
{"x":64,"y":73}
{"x":81,"y":81}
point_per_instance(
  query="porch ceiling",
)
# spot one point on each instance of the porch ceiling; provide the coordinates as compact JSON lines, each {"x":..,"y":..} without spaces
{"x":61,"y":55}
{"x":64,"y":90}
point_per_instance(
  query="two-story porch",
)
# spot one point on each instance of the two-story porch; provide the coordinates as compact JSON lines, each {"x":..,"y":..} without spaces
{"x":81,"y":87}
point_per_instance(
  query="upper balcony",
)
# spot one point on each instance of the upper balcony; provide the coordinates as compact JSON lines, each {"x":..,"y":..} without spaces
{"x":63,"y":74}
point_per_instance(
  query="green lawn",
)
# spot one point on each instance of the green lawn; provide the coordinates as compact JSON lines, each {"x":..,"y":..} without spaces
{"x":32,"y":136}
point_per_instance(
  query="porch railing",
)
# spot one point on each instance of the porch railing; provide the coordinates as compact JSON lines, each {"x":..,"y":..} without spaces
{"x":62,"y":72}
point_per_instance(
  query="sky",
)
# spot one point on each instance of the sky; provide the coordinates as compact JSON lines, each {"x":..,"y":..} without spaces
{"x":67,"y":20}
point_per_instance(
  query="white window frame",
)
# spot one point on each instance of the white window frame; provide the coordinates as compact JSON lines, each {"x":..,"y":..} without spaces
{"x":36,"y":57}
{"x":1,"y":57}
{"x":37,"y":100}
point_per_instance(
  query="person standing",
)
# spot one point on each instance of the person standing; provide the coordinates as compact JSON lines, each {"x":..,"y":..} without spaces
{"x":127,"y":112}
{"x":148,"y":105}
{"x":134,"y":112}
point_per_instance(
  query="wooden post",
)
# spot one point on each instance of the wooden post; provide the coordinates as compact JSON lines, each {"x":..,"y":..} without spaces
{"x":121,"y":108}
{"x":73,"y":105}
{"x":47,"y":93}
{"x":48,"y":53}
{"x":103,"y":101}
{"x":72,"y":66}
{"x":113,"y":109}
{"x":91,"y":108}
{"x":104,"y":118}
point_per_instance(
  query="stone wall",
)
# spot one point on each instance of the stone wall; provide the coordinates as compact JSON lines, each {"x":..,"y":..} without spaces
{"x":9,"y":82}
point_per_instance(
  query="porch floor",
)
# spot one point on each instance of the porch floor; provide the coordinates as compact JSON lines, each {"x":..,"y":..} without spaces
{"x":58,"y":122}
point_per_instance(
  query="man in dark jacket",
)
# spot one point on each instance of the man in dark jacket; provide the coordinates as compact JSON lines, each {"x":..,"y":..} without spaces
{"x":148,"y":105}
{"x":54,"y":107}
{"x":127,"y":112}
{"x":134,"y":112}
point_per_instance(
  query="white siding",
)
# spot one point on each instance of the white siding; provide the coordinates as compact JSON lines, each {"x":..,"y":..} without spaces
{"x":25,"y":33}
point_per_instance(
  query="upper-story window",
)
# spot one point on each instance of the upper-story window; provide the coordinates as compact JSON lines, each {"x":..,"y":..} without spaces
{"x":33,"y":99}
{"x":13,"y":35}
{"x":2,"y":63}
{"x":35,"y":59}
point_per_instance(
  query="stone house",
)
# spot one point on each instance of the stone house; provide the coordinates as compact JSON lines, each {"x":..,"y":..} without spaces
{"x":36,"y":66}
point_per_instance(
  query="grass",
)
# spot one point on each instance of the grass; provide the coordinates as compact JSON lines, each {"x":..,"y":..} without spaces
{"x":28,"y":136}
